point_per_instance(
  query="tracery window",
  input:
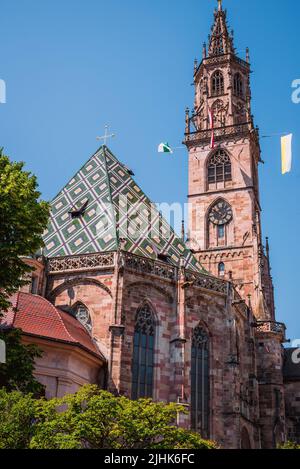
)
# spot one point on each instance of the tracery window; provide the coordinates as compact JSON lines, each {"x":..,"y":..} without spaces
{"x":219,"y":167}
{"x":82,"y":314}
{"x":219,"y":112}
{"x":217,"y":83}
{"x":239,"y":112}
{"x":143,"y":354}
{"x":238,"y":85}
{"x":200,"y":387}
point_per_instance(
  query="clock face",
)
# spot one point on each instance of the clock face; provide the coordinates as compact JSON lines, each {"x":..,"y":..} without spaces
{"x":221,"y":214}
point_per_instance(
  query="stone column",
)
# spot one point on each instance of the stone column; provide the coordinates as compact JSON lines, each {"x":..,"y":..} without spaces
{"x":116,"y":329}
{"x":271,"y":389}
{"x":117,"y":334}
{"x":178,"y":352}
{"x":231,"y":379}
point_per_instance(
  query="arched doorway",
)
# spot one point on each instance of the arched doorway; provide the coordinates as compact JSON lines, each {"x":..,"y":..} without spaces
{"x":245,"y":439}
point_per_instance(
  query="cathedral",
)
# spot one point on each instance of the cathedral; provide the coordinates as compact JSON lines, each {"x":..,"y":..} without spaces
{"x":117,"y":298}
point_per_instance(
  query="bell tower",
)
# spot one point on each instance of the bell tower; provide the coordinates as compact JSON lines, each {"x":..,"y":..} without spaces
{"x":224,"y":154}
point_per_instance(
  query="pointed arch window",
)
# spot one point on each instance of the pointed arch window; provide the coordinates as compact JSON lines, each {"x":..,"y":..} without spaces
{"x":143,"y":354}
{"x":217,"y":83}
{"x":221,"y":268}
{"x":219,"y":167}
{"x":238,"y":85}
{"x":200,"y":387}
{"x":219,"y":112}
{"x":245,"y":439}
{"x":82,"y":315}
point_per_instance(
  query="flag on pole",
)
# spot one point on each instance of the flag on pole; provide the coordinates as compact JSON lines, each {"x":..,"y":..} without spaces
{"x":286,"y":153}
{"x":164,"y":148}
{"x":211,"y":123}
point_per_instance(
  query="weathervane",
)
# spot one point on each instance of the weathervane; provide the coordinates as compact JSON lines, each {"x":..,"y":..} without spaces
{"x":106,"y":135}
{"x":220,"y":4}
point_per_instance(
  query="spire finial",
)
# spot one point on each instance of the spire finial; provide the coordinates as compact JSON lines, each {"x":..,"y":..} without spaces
{"x":268,"y":247}
{"x":220,"y":5}
{"x":247,"y":55}
{"x":187,"y":121}
{"x":182,"y":231}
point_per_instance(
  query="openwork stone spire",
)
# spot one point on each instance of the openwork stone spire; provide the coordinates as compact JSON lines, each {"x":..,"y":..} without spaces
{"x":220,"y":42}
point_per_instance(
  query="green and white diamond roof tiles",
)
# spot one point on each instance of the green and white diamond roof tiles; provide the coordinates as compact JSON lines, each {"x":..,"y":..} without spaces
{"x":116,"y":208}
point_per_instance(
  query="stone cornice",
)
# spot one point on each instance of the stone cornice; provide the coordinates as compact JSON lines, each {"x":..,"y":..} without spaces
{"x":131,"y":262}
{"x":81,"y":263}
{"x":222,"y":133}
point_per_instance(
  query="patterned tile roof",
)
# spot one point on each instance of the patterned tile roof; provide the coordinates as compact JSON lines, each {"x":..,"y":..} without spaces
{"x":116,"y":206}
{"x":36,"y":316}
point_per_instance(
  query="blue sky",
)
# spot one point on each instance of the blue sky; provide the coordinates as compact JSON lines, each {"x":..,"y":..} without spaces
{"x":71,"y":66}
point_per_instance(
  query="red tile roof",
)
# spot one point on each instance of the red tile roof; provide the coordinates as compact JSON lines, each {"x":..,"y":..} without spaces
{"x":36,"y":316}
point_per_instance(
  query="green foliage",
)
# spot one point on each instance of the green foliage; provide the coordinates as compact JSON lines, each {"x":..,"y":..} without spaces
{"x":23,"y":219}
{"x":16,"y":419}
{"x":289,"y":445}
{"x":92,"y":419}
{"x":17,"y":373}
{"x":96,"y":419}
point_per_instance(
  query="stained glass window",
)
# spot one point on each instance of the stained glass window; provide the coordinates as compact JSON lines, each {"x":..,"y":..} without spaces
{"x":143,"y":354}
{"x":200,"y":382}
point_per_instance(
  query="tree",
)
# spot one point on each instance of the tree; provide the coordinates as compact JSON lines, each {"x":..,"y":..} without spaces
{"x":289,"y":445}
{"x":16,"y":419}
{"x":92,"y":419}
{"x":23,"y":219}
{"x":17,"y":373}
{"x":96,"y":419}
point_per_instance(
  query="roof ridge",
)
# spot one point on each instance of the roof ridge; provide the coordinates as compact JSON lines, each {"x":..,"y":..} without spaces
{"x":104,"y":148}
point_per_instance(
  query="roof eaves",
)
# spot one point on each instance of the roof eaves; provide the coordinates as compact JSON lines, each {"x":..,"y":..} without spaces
{"x":73,"y":343}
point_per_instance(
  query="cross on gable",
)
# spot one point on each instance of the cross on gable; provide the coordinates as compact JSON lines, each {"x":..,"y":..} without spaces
{"x":106,"y":135}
